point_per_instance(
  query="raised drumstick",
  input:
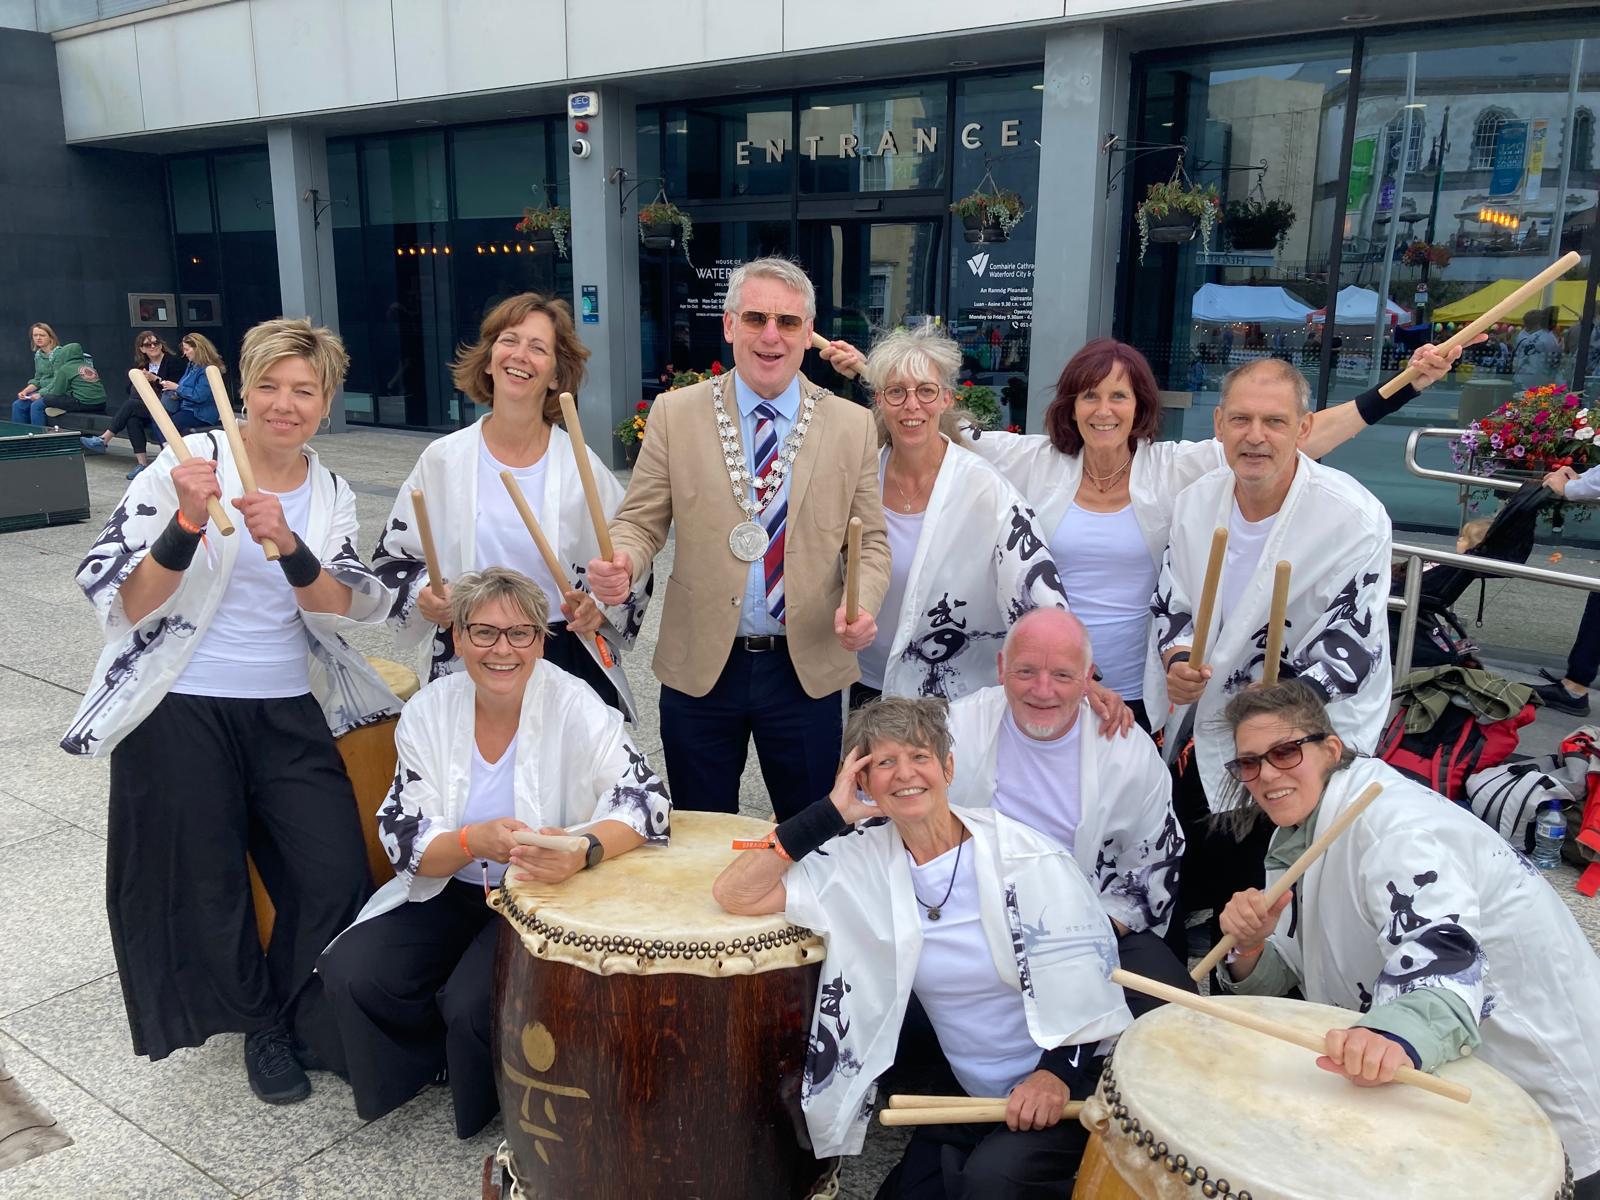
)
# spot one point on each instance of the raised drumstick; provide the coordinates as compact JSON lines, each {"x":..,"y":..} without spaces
{"x":852,"y":571}
{"x":1208,"y":598}
{"x":1280,"y":609}
{"x":551,"y":562}
{"x":580,"y":451}
{"x":822,"y":343}
{"x":1462,"y":336}
{"x":1292,"y":876}
{"x":1235,"y":1015}
{"x":230,"y":427}
{"x":430,"y":555}
{"x":180,"y":448}
{"x":958,"y":1110}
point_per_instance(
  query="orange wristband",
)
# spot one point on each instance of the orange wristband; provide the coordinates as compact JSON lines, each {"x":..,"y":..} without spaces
{"x":185,"y":525}
{"x":461,"y":836}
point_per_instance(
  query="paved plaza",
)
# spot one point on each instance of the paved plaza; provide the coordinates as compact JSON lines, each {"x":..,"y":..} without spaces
{"x":189,"y":1126}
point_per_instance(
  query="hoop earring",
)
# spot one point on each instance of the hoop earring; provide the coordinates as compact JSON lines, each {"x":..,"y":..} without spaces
{"x":325,"y":424}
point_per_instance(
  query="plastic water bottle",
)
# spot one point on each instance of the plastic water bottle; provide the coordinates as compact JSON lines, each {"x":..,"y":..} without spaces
{"x":1549,"y":831}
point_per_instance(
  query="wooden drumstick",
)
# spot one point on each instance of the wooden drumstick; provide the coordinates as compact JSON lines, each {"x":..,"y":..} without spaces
{"x":180,"y":448}
{"x":430,"y":554}
{"x":580,"y":451}
{"x":822,"y":343}
{"x":564,"y":842}
{"x":1235,"y":1015}
{"x":1280,"y":608}
{"x":551,"y":562}
{"x":852,"y":571}
{"x":1462,"y":336}
{"x":1292,"y":876}
{"x":1208,"y":597}
{"x":958,"y":1112}
{"x":230,"y":427}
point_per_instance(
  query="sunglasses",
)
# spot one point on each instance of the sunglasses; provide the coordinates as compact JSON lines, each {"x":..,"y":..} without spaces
{"x":895,"y":396}
{"x":787,"y":322}
{"x":518,"y":637}
{"x":150,"y":342}
{"x":1283,"y":756}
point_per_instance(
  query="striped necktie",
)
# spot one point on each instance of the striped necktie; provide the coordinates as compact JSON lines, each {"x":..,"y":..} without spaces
{"x":774,"y":516}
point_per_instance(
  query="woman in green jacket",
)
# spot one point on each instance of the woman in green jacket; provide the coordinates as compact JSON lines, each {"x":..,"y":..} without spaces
{"x":64,"y":377}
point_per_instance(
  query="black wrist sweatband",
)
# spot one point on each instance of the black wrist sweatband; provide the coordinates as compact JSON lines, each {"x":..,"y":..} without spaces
{"x":1374,"y":408}
{"x":1180,"y":656}
{"x":174,"y":546}
{"x":302,"y":567}
{"x":810,"y":828}
{"x":1075,"y":1066}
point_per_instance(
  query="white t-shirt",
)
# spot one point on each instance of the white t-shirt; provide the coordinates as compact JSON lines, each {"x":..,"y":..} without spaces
{"x":1036,"y":782}
{"x":503,"y":540}
{"x":257,"y":646}
{"x":905,"y":530}
{"x":1109,"y":577}
{"x":1245,"y":539}
{"x":490,"y":796}
{"x":980,"y":1020}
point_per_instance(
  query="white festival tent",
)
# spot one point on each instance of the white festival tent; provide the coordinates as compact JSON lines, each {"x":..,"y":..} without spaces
{"x":1229,"y":304}
{"x":1359,"y":306}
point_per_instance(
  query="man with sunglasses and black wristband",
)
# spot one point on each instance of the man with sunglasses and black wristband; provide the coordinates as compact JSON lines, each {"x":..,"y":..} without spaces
{"x":761,"y":470}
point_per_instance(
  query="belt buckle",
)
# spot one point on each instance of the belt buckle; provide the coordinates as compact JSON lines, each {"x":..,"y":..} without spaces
{"x":761,"y":643}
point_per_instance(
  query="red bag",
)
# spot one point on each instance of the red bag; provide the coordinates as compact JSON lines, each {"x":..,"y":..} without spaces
{"x":1458,"y":745}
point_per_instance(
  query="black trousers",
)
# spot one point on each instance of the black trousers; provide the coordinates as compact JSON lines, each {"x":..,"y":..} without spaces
{"x":409,"y":995}
{"x":133,"y":420}
{"x":196,"y":785}
{"x":861,"y":694}
{"x":1145,"y":953}
{"x":987,"y":1162}
{"x":567,"y":652}
{"x":1587,"y":1188}
{"x":706,"y":738}
{"x":1583,"y":660}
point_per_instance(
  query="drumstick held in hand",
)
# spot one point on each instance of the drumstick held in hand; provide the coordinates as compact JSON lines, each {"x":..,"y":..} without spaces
{"x":1292,"y":876}
{"x":959,"y":1110}
{"x":430,"y":555}
{"x":551,"y":562}
{"x":822,"y":343}
{"x":230,"y":427}
{"x":580,"y":451}
{"x":564,"y":842}
{"x":1235,"y":1015}
{"x":180,"y":448}
{"x":1461,"y":337}
{"x":1208,"y":598}
{"x":1280,"y":607}
{"x":852,"y":571}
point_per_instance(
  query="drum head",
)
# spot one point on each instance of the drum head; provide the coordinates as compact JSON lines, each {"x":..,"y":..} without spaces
{"x":1192,"y":1101}
{"x":652,"y":910}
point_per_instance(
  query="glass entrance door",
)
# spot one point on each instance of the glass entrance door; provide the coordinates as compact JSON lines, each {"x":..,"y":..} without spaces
{"x":872,"y":276}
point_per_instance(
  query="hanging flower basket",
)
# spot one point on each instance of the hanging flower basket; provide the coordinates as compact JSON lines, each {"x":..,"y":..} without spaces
{"x":1174,"y":211}
{"x":989,"y":216}
{"x":1258,"y":224}
{"x":662,"y":225}
{"x":547,"y":226}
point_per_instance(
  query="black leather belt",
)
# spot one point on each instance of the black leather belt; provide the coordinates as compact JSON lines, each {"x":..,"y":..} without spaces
{"x":762,"y":643}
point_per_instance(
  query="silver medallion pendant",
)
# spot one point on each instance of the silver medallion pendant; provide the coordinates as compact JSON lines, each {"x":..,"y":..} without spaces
{"x":748,"y":541}
{"x":933,"y":914}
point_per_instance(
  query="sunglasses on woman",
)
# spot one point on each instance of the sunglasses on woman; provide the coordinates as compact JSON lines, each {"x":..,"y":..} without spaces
{"x":1283,"y":756}
{"x":787,"y":322}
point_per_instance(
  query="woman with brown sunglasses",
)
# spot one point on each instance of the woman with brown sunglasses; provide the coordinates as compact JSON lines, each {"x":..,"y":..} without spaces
{"x":163,"y":369}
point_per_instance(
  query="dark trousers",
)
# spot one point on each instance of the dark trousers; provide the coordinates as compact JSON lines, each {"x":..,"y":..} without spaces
{"x":861,"y":694}
{"x":133,"y":420}
{"x":706,"y":738}
{"x":567,"y":652}
{"x":1583,"y":660}
{"x":1587,"y":1188}
{"x":1144,"y":953}
{"x":196,"y":785}
{"x":409,"y":994}
{"x":987,"y":1162}
{"x":1141,"y":717}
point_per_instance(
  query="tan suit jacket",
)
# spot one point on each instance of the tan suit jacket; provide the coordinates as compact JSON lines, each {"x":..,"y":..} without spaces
{"x":681,"y":477}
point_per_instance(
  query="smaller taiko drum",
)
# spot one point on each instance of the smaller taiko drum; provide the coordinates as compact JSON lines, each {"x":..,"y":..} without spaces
{"x":1190,"y":1108}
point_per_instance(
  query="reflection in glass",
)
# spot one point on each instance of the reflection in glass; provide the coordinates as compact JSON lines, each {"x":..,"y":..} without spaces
{"x":874,"y":139}
{"x":719,"y":151}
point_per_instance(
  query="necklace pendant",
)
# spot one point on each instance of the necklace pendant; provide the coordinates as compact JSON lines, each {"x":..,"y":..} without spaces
{"x":933,"y":914}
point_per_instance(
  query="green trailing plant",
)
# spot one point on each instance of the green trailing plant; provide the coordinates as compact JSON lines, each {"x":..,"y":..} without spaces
{"x":1253,"y":224}
{"x":554,"y":219}
{"x":1177,"y":195}
{"x":1002,"y":208}
{"x":664,"y":212}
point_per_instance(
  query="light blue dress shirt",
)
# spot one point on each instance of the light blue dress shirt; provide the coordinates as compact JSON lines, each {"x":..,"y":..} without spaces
{"x":754,"y":619}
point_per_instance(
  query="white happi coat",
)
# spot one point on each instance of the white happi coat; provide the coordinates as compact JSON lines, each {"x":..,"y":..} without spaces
{"x":1128,"y":843}
{"x":575,"y":765}
{"x":141,"y":661}
{"x":447,"y":475}
{"x":981,"y":562}
{"x":1420,"y":893}
{"x":1047,"y":938}
{"x":1337,"y":538}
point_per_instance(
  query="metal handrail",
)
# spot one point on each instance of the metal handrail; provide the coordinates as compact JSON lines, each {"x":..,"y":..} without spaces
{"x":1457,"y":477}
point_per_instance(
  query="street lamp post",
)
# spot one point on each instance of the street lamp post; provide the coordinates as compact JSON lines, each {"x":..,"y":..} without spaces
{"x":1441,"y":147}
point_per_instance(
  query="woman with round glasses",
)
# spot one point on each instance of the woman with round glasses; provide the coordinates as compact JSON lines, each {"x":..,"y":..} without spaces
{"x":163,"y":369}
{"x":526,"y":355}
{"x":510,"y":745}
{"x":967,"y":556}
{"x":1419,"y":917}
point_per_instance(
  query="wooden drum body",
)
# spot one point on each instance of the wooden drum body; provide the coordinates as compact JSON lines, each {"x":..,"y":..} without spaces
{"x":647,"y":1043}
{"x":1190,"y":1108}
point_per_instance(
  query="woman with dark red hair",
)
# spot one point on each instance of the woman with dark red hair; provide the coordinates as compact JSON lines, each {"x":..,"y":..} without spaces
{"x":1103,"y":487}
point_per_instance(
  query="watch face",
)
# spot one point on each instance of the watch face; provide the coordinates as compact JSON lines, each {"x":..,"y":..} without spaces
{"x":596,"y":851}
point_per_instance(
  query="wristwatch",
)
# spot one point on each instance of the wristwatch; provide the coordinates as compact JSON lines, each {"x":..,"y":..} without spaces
{"x":595,"y":853}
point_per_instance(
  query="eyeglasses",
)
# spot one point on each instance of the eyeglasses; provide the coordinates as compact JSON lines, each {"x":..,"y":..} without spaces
{"x":518,"y":637}
{"x":787,"y":322}
{"x":150,"y":342}
{"x":1283,"y":756}
{"x":895,"y":396}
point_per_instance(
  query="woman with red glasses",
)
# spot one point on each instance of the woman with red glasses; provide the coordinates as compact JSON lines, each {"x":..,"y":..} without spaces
{"x":1419,"y":917}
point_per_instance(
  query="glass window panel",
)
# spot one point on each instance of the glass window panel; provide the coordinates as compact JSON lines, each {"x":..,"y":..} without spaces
{"x":244,"y":191}
{"x":191,"y":194}
{"x":874,"y":139}
{"x":502,"y":169}
{"x":405,"y":178}
{"x":719,"y":151}
{"x":344,"y":186}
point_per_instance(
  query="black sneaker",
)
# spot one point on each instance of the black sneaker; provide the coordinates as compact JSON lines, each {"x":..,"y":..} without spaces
{"x":275,"y":1076}
{"x":1556,"y":696}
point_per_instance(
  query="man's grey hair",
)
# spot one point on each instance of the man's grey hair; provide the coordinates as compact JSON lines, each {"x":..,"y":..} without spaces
{"x":1274,"y":370}
{"x":921,"y":721}
{"x":784,"y":270}
{"x":475,"y":589}
{"x":1034,"y":615}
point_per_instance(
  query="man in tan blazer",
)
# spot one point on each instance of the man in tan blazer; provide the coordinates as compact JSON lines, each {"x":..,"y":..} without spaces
{"x":761,"y":470}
